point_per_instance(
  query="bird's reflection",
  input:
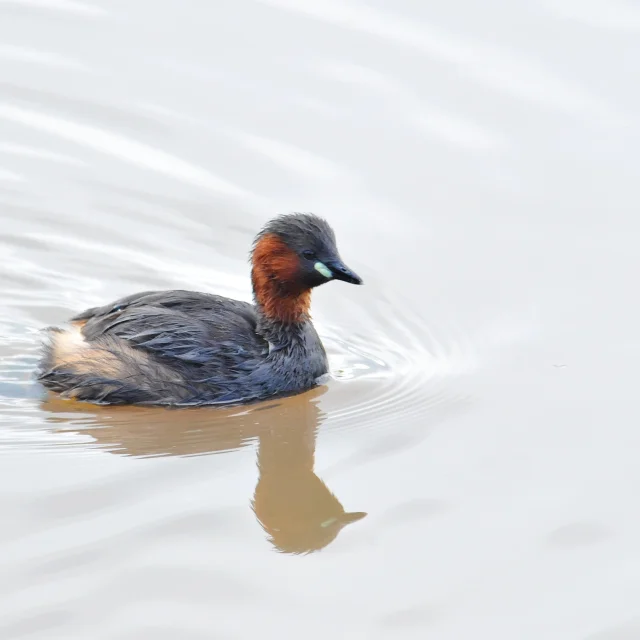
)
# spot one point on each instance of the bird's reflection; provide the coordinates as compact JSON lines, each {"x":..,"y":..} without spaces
{"x":294,"y":506}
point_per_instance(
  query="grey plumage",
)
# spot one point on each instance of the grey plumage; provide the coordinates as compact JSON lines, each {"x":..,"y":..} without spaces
{"x":190,"y":349}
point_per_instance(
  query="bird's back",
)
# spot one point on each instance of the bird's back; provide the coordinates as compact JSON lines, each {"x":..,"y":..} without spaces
{"x":158,"y":347}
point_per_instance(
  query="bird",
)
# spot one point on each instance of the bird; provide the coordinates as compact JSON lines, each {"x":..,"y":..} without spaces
{"x":187,"y":348}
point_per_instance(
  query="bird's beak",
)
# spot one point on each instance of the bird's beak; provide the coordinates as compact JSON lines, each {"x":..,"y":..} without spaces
{"x":340,"y":271}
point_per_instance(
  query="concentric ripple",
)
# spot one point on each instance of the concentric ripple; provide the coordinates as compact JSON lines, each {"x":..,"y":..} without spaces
{"x":391,"y":372}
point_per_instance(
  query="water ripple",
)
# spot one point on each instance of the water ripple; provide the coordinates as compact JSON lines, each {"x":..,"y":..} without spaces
{"x":66,"y":6}
{"x":127,"y":150}
{"x":498,"y":68}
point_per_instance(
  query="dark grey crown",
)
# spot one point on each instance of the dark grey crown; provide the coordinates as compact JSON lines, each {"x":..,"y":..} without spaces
{"x":301,"y":231}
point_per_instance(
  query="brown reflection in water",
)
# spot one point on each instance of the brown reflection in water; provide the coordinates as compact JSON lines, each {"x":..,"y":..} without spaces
{"x":294,"y":507}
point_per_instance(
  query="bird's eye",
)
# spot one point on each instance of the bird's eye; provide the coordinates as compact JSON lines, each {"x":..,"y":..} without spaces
{"x":309,"y":255}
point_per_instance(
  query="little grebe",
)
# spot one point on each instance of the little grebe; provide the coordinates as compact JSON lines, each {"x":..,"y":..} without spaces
{"x":189,"y":348}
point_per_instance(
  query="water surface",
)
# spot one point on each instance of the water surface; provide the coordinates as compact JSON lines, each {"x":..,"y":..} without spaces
{"x":471,"y":469}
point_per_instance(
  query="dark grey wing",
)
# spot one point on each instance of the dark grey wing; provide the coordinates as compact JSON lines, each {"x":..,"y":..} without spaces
{"x":190,"y":302}
{"x":188,"y":328}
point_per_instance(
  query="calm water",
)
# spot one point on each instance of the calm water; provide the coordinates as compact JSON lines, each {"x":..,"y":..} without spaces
{"x":472,"y":469}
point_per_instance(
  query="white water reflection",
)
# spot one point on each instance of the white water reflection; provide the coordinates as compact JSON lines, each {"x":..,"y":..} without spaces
{"x":129,"y":151}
